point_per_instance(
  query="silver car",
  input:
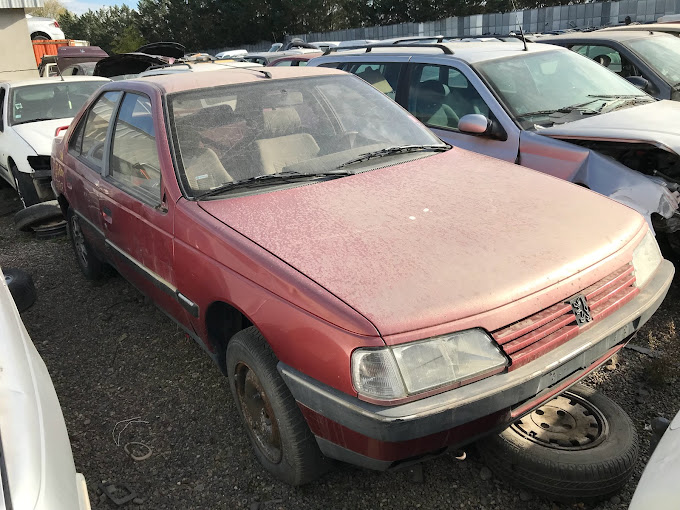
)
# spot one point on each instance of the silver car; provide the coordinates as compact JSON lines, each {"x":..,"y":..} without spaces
{"x":545,"y":107}
{"x":36,"y":463}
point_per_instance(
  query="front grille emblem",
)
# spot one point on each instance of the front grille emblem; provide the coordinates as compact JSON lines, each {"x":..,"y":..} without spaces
{"x":581,"y":310}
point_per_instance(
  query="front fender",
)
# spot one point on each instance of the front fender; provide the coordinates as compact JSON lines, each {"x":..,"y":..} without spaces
{"x":599,"y":173}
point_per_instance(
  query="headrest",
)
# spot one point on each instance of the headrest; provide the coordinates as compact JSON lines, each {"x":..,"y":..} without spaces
{"x":376,"y":79}
{"x":433,"y":88}
{"x":281,"y":122}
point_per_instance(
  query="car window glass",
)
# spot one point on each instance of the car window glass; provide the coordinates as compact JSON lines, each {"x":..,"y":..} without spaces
{"x":302,"y":63}
{"x":440,"y":95}
{"x":383,"y":76}
{"x":661,"y":54}
{"x":90,"y":137}
{"x":603,"y":55}
{"x":284,"y":63}
{"x":305,"y":126}
{"x":134,"y":157}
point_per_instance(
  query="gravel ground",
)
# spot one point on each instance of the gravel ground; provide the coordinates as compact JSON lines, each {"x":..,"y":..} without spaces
{"x":113,"y":356}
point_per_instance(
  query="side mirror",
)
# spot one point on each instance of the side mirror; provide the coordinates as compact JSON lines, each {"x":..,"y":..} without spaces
{"x":639,"y":82}
{"x":478,"y":125}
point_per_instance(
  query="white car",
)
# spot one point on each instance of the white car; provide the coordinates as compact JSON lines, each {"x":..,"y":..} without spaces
{"x":43,"y":28}
{"x":30,"y":113}
{"x":36,"y":462}
{"x":231,"y":54}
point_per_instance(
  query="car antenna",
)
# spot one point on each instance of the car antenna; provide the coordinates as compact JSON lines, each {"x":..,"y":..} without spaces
{"x":521,"y":31}
{"x":59,"y":73}
{"x":267,"y":74}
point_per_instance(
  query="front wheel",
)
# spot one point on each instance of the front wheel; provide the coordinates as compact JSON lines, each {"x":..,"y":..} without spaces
{"x":282,"y":441}
{"x":89,"y":263}
{"x":579,"y":447}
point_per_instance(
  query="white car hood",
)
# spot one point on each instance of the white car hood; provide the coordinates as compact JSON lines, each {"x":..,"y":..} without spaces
{"x":39,"y":135}
{"x":655,"y":123}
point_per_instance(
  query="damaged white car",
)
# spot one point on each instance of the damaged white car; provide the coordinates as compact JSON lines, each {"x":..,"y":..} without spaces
{"x":543,"y":107}
{"x":31,"y":111}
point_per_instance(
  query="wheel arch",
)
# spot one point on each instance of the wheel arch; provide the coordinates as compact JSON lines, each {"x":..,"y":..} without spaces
{"x":222,"y":321}
{"x":63,"y":204}
{"x":38,"y":33}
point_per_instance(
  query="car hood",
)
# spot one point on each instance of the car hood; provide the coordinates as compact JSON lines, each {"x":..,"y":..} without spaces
{"x":129,"y":63}
{"x":434,"y":240}
{"x":655,"y":123}
{"x":39,"y":135}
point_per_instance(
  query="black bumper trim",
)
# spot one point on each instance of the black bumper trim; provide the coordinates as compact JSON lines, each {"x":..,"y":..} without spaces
{"x":459,"y":406}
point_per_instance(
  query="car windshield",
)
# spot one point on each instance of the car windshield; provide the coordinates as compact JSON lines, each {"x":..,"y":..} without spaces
{"x":661,"y":54}
{"x":55,"y":100}
{"x":276,"y":128}
{"x":534,"y":86}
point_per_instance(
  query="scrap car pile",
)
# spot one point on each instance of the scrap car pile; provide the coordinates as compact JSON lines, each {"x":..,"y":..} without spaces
{"x":369,"y":240}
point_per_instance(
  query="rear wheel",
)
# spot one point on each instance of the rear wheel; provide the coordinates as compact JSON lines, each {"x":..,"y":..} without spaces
{"x":25,"y":187}
{"x":89,"y":263}
{"x":579,"y":447}
{"x":282,"y":441}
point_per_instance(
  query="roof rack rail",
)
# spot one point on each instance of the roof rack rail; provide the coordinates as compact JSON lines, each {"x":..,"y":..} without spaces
{"x":438,"y":38}
{"x":368,"y":47}
{"x":165,"y":66}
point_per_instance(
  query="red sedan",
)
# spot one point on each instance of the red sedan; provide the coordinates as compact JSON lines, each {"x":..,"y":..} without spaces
{"x":373,"y":294}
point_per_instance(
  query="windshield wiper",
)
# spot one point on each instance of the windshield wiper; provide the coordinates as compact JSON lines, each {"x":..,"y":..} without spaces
{"x":259,"y":180}
{"x":564,"y":109}
{"x":401,"y":149}
{"x":622,"y":101}
{"x":29,"y":120}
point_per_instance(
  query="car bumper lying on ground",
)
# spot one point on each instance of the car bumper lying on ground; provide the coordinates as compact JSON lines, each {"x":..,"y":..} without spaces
{"x":381,"y":437}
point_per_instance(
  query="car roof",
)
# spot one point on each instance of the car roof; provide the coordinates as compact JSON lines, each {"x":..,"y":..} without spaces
{"x":55,"y":79}
{"x":180,"y":82}
{"x":656,"y":27}
{"x":602,"y":35}
{"x":470,"y":52}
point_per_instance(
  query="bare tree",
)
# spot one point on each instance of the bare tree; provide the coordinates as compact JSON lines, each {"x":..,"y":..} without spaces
{"x":51,"y":9}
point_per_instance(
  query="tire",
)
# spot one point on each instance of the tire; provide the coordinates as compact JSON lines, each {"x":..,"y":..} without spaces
{"x":21,"y":287}
{"x":596,"y":470}
{"x":39,"y":37}
{"x":37,"y":214}
{"x":90,"y":265}
{"x":286,"y":447}
{"x":25,"y":186}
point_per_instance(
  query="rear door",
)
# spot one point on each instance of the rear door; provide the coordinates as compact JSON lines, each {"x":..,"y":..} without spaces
{"x":137,"y":216}
{"x":441,"y":92}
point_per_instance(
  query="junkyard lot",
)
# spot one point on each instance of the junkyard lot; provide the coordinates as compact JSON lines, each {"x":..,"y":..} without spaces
{"x":113,"y":356}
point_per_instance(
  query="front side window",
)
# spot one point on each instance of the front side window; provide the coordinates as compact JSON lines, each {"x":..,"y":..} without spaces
{"x":230,"y":134}
{"x":134,"y":157}
{"x":90,"y":136}
{"x":439,"y":96}
{"x":55,"y":100}
{"x":661,"y":54}
{"x":539,"y":88}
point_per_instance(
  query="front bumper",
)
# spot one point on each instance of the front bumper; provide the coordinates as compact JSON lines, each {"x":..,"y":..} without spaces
{"x":379,"y":436}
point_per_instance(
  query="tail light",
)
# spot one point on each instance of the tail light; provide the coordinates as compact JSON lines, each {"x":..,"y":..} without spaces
{"x":59,"y":130}
{"x":56,"y":25}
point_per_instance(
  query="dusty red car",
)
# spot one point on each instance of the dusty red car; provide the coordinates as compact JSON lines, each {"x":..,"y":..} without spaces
{"x":373,"y":294}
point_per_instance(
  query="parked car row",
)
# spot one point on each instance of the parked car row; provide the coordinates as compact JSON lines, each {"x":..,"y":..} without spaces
{"x":359,"y":247}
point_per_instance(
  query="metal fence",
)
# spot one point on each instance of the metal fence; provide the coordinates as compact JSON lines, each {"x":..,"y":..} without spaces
{"x":546,"y":19}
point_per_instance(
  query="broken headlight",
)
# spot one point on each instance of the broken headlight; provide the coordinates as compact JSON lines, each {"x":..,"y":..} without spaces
{"x":646,"y":258}
{"x":393,"y":373}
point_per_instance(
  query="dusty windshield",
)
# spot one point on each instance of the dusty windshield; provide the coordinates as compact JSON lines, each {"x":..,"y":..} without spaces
{"x":275,"y":128}
{"x":556,"y":86}
{"x":56,"y":100}
{"x":661,"y":54}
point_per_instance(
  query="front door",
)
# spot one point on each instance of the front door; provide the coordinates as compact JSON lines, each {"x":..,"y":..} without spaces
{"x":137,"y":217}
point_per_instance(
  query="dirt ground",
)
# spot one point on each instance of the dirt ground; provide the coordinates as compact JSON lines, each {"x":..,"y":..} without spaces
{"x":113,"y":356}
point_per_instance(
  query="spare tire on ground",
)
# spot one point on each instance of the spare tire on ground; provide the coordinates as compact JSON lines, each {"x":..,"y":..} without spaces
{"x":579,"y":447}
{"x":20,"y":286}
{"x":38,"y":214}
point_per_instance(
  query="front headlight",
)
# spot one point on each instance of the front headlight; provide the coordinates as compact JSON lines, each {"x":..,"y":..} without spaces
{"x":393,"y":373}
{"x":646,"y":258}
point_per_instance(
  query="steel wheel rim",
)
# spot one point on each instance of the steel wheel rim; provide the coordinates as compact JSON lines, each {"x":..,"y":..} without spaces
{"x":568,"y":422}
{"x":79,"y":241}
{"x":258,"y":413}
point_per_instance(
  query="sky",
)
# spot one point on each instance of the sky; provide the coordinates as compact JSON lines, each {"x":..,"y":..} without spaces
{"x":81,"y":6}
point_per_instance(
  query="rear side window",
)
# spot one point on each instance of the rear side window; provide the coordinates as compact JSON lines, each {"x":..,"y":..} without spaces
{"x":90,"y":137}
{"x":439,"y":96}
{"x":603,"y":55}
{"x":383,"y":76}
{"x":134,"y":161}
